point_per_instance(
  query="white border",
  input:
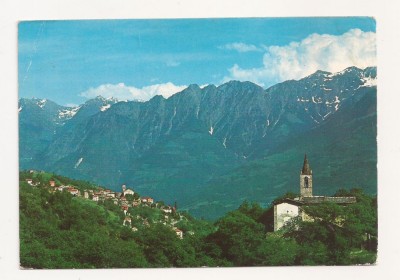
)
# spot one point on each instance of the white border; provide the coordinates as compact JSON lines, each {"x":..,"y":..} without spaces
{"x":388,"y":34}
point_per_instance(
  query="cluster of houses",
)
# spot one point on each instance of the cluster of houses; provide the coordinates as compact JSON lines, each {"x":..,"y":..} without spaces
{"x":53,"y":187}
{"x":121,"y":199}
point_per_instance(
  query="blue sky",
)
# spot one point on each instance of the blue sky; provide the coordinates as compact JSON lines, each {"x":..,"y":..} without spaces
{"x":71,"y":61}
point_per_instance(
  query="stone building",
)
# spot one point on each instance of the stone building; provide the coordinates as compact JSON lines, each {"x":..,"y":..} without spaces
{"x":288,"y":209}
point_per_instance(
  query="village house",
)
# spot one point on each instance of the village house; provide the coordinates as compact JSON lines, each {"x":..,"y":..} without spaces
{"x":52,"y":183}
{"x":129,"y":191}
{"x":178,"y":232}
{"x":147,"y":199}
{"x":111,"y":194}
{"x":125,"y":208}
{"x":287,"y":209}
{"x":85,"y":194}
{"x":29,"y":181}
{"x":73,"y":191}
{"x":59,"y":188}
{"x":126,"y":191}
{"x":136,"y":203}
{"x":106,"y":192}
{"x":166,"y":209}
{"x":95,"y":198}
{"x":127,"y":220}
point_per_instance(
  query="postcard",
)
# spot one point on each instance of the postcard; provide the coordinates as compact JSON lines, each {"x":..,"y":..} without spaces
{"x":210,"y":142}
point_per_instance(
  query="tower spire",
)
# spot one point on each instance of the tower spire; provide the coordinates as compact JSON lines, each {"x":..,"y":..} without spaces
{"x":306,"y":167}
{"x":306,"y":179}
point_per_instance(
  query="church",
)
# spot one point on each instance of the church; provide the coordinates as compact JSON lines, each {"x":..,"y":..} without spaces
{"x":288,"y":209}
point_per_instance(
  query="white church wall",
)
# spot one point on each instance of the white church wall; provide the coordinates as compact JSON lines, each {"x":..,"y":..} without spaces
{"x":283,"y":213}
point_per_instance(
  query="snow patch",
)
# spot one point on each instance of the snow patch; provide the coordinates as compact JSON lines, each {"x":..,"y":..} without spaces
{"x":171,"y":120}
{"x":78,"y":162}
{"x":224,"y":143}
{"x":68,"y":113}
{"x":303,"y":100}
{"x":20,"y":109}
{"x":336,"y":101}
{"x":105,"y":107}
{"x":41,"y":103}
{"x":369,"y":82}
{"x":316,"y":100}
{"x":267,"y":122}
{"x":314,"y":119}
{"x":336,"y":107}
{"x":326,"y":115}
{"x":211,"y":131}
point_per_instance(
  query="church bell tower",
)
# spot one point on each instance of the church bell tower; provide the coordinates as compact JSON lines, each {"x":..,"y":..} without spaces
{"x":306,"y":179}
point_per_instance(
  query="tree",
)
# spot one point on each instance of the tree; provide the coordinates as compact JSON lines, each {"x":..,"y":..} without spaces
{"x":276,"y":250}
{"x":238,"y":236}
{"x":253,"y":210}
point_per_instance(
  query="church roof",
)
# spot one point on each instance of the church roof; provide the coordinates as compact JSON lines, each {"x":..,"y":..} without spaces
{"x":312,"y":200}
{"x":334,"y":199}
{"x":306,"y":167}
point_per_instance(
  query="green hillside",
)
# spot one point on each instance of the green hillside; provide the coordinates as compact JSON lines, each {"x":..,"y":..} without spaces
{"x":59,"y":230}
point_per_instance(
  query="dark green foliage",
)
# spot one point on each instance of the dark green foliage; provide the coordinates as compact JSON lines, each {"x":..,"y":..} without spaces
{"x":253,"y":211}
{"x":276,"y":250}
{"x":338,"y":234}
{"x":58,"y":230}
{"x":238,"y":236}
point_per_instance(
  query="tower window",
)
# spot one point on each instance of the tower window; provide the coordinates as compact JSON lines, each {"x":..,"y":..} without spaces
{"x":306,"y":182}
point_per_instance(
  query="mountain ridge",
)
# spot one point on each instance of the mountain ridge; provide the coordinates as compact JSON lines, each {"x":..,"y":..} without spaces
{"x":180,"y":144}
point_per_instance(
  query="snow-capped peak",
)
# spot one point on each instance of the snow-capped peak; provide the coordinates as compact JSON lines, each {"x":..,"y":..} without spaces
{"x":348,"y":70}
{"x":107,"y":99}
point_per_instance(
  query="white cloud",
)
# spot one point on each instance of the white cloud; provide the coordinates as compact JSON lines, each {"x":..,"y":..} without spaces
{"x":124,"y":92}
{"x":316,"y":52}
{"x":240,"y":47}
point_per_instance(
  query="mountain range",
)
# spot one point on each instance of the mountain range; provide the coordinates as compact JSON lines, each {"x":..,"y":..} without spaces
{"x":210,"y":148}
